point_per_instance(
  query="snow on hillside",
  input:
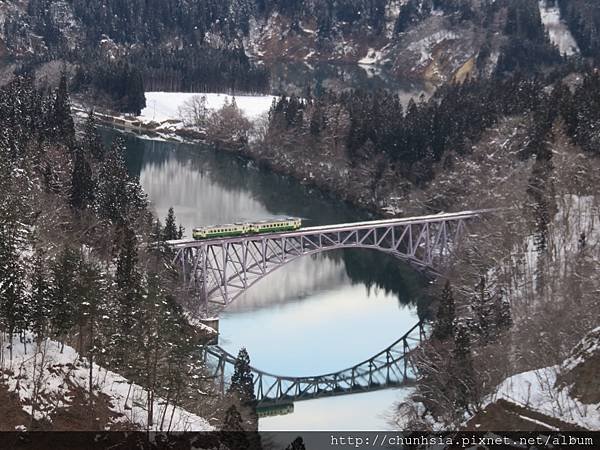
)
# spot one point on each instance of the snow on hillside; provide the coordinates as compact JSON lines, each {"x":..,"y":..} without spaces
{"x":560,"y":35}
{"x":49,"y":376}
{"x":425,"y":46}
{"x":161,"y":106}
{"x":373,"y":57}
{"x":536,"y":390}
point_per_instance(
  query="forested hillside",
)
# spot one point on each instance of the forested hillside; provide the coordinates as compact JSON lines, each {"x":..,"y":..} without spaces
{"x":119,"y":49}
{"x":512,"y":123}
{"x":367,"y":148}
{"x":82,"y":269}
{"x":583,"y":19}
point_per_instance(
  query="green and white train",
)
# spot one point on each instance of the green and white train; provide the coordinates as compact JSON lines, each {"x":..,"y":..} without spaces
{"x":245,"y":228}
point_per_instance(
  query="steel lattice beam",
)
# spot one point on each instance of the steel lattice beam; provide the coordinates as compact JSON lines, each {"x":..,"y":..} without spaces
{"x":220,"y":270}
{"x":390,"y":367}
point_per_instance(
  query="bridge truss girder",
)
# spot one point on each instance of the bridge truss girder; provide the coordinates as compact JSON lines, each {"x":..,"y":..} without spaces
{"x":219,"y":271}
{"x":389,"y":368}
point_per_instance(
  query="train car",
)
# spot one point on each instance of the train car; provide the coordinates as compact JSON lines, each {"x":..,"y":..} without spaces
{"x":274,"y":225}
{"x":217,"y":231}
{"x":244,"y":228}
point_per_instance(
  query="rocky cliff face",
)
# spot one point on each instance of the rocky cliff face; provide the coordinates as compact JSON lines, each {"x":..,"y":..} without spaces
{"x":436,"y":48}
{"x":410,"y":38}
{"x":436,"y":41}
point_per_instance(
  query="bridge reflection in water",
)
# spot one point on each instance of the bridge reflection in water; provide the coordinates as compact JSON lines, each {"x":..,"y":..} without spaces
{"x":221,"y":269}
{"x":392,"y":367}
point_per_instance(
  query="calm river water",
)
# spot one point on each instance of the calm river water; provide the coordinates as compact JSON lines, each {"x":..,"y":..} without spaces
{"x":314,"y":316}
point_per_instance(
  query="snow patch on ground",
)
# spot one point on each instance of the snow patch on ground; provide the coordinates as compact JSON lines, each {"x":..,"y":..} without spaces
{"x":373,"y":57}
{"x":559,"y":32}
{"x":46,"y":374}
{"x":161,"y":106}
{"x":392,"y":11}
{"x":536,"y":390}
{"x":425,"y":46}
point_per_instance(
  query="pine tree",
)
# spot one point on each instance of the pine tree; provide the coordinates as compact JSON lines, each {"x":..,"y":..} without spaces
{"x":119,"y":197}
{"x":482,"y":310}
{"x":64,"y":128}
{"x":443,"y":327}
{"x":64,"y":293}
{"x":170,"y":231}
{"x":157,"y":247}
{"x":232,"y":434}
{"x":82,"y":183}
{"x":41,"y":306}
{"x":12,"y":290}
{"x":91,"y":141}
{"x":89,"y":300}
{"x":297,"y":444}
{"x":463,"y":366}
{"x":503,"y":312}
{"x":127,"y":279}
{"x":242,"y":380}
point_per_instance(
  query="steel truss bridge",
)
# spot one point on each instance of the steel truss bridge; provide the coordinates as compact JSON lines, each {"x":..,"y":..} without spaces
{"x":220,"y":270}
{"x":391,"y":367}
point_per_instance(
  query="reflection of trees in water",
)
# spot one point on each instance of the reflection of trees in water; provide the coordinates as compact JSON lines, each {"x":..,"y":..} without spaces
{"x":380,"y":271}
{"x":294,"y":78}
{"x":279,"y":195}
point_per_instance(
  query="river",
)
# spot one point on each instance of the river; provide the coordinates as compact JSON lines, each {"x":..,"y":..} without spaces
{"x":316,"y":315}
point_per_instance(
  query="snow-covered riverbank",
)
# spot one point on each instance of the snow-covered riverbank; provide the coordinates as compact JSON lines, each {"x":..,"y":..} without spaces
{"x":162,"y":118}
{"x":162,"y":106}
{"x":46,"y":378}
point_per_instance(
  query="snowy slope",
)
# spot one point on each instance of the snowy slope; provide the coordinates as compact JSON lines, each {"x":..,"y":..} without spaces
{"x":560,"y":35}
{"x":48,"y":375}
{"x":536,"y":390}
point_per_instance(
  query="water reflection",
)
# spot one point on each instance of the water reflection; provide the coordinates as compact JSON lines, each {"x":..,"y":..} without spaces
{"x":317,"y":314}
{"x":328,"y":331}
{"x":207,"y":187}
{"x":359,"y":412}
{"x":296,"y":77}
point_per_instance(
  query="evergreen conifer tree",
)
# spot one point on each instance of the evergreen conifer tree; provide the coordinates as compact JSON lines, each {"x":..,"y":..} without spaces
{"x":297,"y":444}
{"x":41,"y":306}
{"x":89,"y":296}
{"x":170,"y":230}
{"x":444,"y":323}
{"x":463,"y":366}
{"x":242,"y":380}
{"x":232,"y":434}
{"x":64,"y":128}
{"x":13,"y":303}
{"x":503,"y":312}
{"x":64,"y":292}
{"x":91,"y":141}
{"x":82,"y":183}
{"x":128,"y":279}
{"x":481,"y":306}
{"x":118,"y":196}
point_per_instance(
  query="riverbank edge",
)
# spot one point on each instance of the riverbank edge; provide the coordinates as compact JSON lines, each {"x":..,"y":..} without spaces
{"x":172,"y":130}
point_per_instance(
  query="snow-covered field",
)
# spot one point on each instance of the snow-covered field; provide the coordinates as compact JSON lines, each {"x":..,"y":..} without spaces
{"x":47,"y":376}
{"x":161,"y":106}
{"x":560,"y":35}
